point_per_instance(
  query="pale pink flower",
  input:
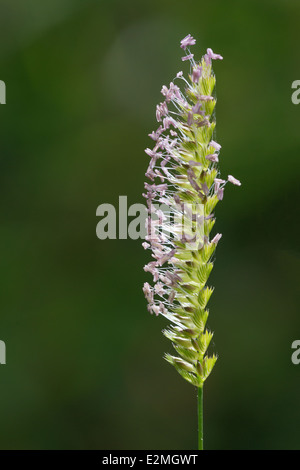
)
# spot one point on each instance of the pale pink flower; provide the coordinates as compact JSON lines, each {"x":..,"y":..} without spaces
{"x":217,"y":238}
{"x":187,"y":41}
{"x":197,"y":72}
{"x":215,"y":145}
{"x":187,"y":57}
{"x":212,"y":157}
{"x":212,"y":55}
{"x":233,"y":180}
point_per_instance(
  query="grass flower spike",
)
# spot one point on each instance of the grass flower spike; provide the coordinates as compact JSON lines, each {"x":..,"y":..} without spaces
{"x":183,"y":190}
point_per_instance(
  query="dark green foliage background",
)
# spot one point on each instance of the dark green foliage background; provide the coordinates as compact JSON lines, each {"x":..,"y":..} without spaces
{"x":84,"y":358}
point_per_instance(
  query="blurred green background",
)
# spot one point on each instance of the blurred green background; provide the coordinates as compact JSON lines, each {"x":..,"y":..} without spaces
{"x":84,"y":358}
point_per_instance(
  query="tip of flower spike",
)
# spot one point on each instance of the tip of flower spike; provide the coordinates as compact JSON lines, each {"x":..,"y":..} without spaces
{"x":187,"y":41}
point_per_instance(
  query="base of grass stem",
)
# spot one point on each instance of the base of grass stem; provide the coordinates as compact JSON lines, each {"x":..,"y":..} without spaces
{"x":200,"y":418}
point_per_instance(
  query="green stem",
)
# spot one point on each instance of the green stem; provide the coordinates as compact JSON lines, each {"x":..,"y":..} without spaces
{"x":200,"y":418}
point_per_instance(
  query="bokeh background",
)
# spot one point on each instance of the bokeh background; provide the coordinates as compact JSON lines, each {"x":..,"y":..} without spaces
{"x":84,"y":358}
